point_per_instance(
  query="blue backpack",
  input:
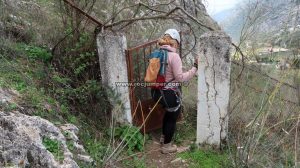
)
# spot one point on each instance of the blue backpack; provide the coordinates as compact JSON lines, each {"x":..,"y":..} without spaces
{"x":156,"y":70}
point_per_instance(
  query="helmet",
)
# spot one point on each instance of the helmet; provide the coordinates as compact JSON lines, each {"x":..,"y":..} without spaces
{"x":174,"y":34}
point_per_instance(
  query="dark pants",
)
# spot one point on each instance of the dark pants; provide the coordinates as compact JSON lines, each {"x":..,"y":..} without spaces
{"x":170,"y":118}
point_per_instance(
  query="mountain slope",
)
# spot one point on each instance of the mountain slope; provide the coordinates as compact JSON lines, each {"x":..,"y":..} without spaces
{"x":264,"y":18}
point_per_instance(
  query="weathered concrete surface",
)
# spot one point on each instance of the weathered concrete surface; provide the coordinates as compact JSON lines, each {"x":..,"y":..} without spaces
{"x":111,"y":50}
{"x":213,"y":88}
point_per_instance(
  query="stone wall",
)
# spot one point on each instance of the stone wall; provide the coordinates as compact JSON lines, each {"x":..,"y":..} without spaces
{"x":213,"y":88}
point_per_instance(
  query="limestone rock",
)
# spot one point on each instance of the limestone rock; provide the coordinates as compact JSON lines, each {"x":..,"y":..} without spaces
{"x":70,"y":132}
{"x":69,"y":127}
{"x":21,"y":139}
{"x":21,"y":142}
{"x":197,"y":10}
{"x":176,"y":160}
{"x":79,"y":147}
{"x":7,"y":96}
{"x":85,"y":158}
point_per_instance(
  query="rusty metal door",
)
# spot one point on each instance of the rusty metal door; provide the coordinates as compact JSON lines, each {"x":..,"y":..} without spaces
{"x":140,"y":97}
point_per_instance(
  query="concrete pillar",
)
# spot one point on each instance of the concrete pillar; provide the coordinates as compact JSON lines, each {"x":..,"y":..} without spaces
{"x":213,"y":88}
{"x":111,"y":50}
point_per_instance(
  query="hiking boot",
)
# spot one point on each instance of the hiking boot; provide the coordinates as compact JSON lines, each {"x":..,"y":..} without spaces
{"x":168,"y":148}
{"x":161,"y":140}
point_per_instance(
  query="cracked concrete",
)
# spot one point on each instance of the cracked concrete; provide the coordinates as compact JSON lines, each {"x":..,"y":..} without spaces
{"x":111,"y":51}
{"x":213,"y":88}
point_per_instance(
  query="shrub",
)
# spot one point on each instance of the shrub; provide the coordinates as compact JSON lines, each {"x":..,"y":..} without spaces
{"x":37,"y":53}
{"x":54,"y":146}
{"x":132,"y":137}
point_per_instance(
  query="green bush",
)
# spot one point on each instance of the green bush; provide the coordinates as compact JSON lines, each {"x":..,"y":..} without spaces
{"x":55,"y":96}
{"x":95,"y":147}
{"x":54,"y":146}
{"x":132,"y":137}
{"x":8,"y":106}
{"x":37,"y":53}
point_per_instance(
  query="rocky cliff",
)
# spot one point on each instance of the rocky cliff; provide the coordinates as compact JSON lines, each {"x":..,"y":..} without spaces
{"x":275,"y":19}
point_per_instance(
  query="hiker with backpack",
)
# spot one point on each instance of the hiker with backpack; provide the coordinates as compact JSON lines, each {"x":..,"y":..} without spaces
{"x":165,"y":66}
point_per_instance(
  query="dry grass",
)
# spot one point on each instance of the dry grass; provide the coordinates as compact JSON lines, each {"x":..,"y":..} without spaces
{"x":264,"y":119}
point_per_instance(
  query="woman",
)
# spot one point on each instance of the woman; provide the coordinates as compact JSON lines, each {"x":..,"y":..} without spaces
{"x":170,"y":93}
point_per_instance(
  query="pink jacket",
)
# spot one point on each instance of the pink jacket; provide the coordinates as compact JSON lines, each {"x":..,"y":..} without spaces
{"x":174,"y":67}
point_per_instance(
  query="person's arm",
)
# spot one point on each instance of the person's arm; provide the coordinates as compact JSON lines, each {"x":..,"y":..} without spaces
{"x":177,"y":70}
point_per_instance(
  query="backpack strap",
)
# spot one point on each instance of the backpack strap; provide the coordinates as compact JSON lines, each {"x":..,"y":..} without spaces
{"x":164,"y":98}
{"x":170,"y":81}
{"x":164,"y":61}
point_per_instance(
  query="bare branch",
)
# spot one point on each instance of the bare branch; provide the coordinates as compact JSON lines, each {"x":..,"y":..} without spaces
{"x":140,"y":4}
{"x":83,"y":13}
{"x":238,"y":49}
{"x":161,"y":16}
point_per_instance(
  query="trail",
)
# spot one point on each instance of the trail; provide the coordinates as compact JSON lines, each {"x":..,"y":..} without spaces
{"x":155,"y":159}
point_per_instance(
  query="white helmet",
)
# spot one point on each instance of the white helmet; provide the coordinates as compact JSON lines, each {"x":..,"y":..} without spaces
{"x":174,"y":34}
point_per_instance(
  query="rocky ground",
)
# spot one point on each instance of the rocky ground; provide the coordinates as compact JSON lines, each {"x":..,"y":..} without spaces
{"x":31,"y":141}
{"x":155,"y":159}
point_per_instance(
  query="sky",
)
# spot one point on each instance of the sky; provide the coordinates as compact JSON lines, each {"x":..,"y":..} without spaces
{"x":215,"y":6}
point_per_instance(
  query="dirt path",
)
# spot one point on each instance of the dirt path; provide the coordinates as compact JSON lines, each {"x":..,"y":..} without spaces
{"x":155,"y":159}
